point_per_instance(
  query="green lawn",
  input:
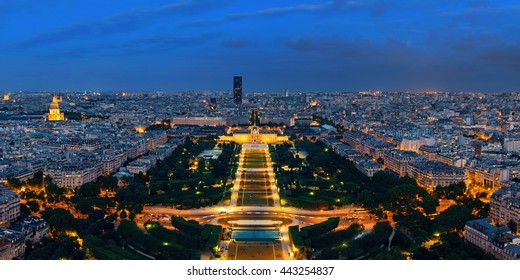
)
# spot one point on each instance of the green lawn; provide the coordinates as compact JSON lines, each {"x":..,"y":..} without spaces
{"x":250,"y":199}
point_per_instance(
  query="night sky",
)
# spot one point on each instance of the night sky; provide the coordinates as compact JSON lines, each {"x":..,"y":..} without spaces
{"x":159,"y":45}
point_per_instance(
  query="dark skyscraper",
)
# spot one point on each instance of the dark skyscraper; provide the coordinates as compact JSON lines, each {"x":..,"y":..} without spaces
{"x":237,"y":89}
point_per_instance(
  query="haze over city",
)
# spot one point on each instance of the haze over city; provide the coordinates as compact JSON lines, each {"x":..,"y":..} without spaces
{"x":301,"y":45}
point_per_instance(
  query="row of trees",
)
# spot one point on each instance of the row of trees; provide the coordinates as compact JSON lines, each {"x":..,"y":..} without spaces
{"x":334,"y":180}
{"x":412,"y":207}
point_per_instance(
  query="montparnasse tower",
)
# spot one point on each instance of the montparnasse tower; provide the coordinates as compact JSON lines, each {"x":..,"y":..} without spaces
{"x":54,"y":110}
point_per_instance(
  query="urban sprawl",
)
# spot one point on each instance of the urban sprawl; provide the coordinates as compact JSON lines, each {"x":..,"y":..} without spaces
{"x":438,"y":141}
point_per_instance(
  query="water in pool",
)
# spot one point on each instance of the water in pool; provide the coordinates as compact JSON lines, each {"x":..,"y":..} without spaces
{"x":255,"y":235}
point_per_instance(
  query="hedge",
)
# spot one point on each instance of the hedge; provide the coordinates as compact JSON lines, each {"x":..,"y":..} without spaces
{"x":321,"y":228}
{"x":295,"y":237}
{"x":188,"y":227}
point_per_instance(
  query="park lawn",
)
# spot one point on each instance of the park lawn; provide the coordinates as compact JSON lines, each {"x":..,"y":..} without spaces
{"x":254,"y":186}
{"x":255,"y":165}
{"x":113,"y":252}
{"x":250,"y":199}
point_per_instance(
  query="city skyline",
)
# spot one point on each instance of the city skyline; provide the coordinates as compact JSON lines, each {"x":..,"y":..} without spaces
{"x":298,"y":177}
{"x":305,"y":46}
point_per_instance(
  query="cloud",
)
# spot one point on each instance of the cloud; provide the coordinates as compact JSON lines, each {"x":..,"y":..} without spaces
{"x":503,"y":55}
{"x":471,"y":42}
{"x":379,"y":8}
{"x":120,"y":23}
{"x":292,"y":9}
{"x":333,"y":5}
{"x":167,"y":43}
{"x":150,"y":45}
{"x":353,"y":49}
{"x":491,"y":48}
{"x":235,"y":42}
{"x":476,"y":10}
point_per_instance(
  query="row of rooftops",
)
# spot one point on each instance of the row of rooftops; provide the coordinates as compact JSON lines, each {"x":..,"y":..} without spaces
{"x":437,"y":167}
{"x":6,"y":195}
{"x":510,"y":194}
{"x":498,"y":236}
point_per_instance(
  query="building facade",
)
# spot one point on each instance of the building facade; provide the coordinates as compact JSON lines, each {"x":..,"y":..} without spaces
{"x":54,"y":110}
{"x":430,"y":174}
{"x":498,"y":241}
{"x":397,"y":161}
{"x":199,"y":121}
{"x":9,"y":206}
{"x":73,"y":175}
{"x":254,"y":136}
{"x":505,"y":205}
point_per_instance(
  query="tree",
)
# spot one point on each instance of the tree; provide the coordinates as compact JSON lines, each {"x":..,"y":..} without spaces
{"x":512,"y":226}
{"x":33,"y":205}
{"x":180,"y":172}
{"x":423,"y":254}
{"x":24,"y":211}
{"x":54,"y":192}
{"x":430,"y":204}
{"x":84,"y":205}
{"x":95,"y":216}
{"x":59,"y":218}
{"x":108,"y":182}
{"x":14,"y":183}
{"x":393,"y":254}
{"x":37,"y":179}
{"x":453,"y":247}
{"x":366,"y":198}
{"x":89,"y":190}
{"x":123,"y":214}
{"x":453,"y":219}
{"x":452,"y":191}
{"x":61,"y":247}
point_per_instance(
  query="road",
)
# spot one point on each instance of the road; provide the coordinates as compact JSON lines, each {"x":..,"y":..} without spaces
{"x":300,"y":216}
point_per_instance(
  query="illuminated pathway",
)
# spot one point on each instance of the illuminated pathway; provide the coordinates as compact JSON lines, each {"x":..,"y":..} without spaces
{"x":255,"y":198}
{"x":254,"y":181}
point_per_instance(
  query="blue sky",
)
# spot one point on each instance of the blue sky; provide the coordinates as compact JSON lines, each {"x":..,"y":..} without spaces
{"x":308,"y":45}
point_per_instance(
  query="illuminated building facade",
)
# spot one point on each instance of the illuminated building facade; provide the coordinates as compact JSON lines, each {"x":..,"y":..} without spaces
{"x":430,"y":174}
{"x":397,"y":160}
{"x":505,"y":205}
{"x":73,"y":175}
{"x":54,"y":110}
{"x":255,"y":136}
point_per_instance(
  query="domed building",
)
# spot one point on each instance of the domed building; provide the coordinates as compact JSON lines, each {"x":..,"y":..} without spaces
{"x":54,"y":110}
